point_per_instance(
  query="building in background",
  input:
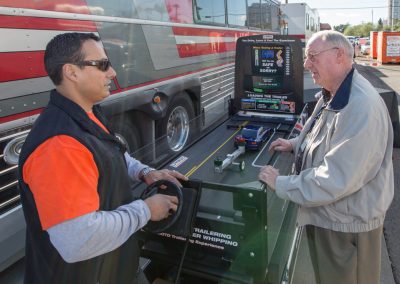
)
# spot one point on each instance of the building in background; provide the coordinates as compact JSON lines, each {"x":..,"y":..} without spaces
{"x":393,"y":11}
{"x":302,"y":20}
{"x":263,"y":14}
{"x":324,"y":26}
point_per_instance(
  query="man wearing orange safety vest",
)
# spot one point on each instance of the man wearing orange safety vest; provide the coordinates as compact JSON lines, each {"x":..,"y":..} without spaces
{"x":75,"y":177}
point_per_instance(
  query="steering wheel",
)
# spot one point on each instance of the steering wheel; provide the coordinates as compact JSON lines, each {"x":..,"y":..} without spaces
{"x":170,"y":189}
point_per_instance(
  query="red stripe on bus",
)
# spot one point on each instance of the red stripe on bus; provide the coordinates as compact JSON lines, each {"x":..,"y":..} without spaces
{"x":299,"y":36}
{"x":21,"y":65}
{"x":70,"y":6}
{"x":17,"y":22}
{"x":20,"y":115}
{"x":188,"y":50}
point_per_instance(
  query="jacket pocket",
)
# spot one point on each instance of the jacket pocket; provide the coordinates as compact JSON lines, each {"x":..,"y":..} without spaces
{"x":321,"y":144}
{"x":338,"y":212}
{"x":317,"y":150}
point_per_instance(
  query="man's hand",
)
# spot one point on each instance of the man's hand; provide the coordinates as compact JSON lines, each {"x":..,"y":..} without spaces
{"x":280,"y":144}
{"x":268,"y":175}
{"x":172,"y":176}
{"x":161,"y":206}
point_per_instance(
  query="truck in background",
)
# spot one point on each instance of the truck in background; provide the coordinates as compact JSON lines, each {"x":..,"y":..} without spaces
{"x":302,"y":21}
{"x":174,"y":61}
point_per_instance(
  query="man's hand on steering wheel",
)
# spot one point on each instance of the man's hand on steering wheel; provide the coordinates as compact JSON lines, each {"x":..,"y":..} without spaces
{"x":164,"y":174}
{"x":164,"y":199}
{"x":161,"y":206}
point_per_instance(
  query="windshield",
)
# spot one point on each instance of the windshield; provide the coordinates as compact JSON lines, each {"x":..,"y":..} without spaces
{"x":249,"y":133}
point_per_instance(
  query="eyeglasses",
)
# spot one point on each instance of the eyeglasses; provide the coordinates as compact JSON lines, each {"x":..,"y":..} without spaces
{"x":311,"y":56}
{"x":102,"y":65}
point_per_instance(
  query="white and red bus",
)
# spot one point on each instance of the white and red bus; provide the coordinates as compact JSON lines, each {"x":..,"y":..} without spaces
{"x":174,"y":61}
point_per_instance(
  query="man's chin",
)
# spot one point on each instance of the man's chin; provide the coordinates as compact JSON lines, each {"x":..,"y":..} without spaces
{"x":315,"y":79}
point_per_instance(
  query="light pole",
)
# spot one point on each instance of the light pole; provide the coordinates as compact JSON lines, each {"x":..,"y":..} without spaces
{"x":372,"y":12}
{"x":391,"y":17}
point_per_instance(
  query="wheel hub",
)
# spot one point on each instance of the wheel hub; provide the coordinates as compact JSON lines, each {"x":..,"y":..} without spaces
{"x":178,"y":129}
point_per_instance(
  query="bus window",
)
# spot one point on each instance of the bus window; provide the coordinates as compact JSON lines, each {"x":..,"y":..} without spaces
{"x":275,"y":20}
{"x":117,"y":8}
{"x":209,"y":12}
{"x":254,"y":13}
{"x":236,"y":12}
{"x":266,"y":15}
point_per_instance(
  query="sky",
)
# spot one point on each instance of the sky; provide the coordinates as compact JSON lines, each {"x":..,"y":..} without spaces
{"x":343,"y":15}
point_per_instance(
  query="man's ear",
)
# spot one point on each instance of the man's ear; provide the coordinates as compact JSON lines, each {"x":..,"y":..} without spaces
{"x":70,"y":72}
{"x":340,"y":55}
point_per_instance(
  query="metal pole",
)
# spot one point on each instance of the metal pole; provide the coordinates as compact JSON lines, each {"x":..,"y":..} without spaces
{"x":372,"y":12}
{"x":391,"y":15}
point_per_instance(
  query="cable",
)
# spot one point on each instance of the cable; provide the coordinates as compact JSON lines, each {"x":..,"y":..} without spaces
{"x":181,"y":262}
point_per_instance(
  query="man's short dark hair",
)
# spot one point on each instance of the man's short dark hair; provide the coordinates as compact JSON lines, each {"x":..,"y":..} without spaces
{"x":62,"y":49}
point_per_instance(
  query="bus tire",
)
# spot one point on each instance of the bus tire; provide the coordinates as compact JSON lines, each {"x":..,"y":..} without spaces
{"x":175,"y":129}
{"x":127,"y":132}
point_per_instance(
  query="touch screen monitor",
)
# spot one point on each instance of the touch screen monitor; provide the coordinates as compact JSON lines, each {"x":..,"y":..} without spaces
{"x":269,"y":76}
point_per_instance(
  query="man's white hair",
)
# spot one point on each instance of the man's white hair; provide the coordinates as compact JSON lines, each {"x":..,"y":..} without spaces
{"x":335,"y":39}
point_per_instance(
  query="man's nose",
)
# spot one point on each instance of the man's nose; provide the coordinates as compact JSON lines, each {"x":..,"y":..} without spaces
{"x":111,"y":72}
{"x":307,"y":63}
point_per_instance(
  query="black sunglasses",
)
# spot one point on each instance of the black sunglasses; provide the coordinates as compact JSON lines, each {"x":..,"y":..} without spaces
{"x":102,"y":65}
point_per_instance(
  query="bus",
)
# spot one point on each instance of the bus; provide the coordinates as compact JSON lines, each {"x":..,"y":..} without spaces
{"x":174,"y":61}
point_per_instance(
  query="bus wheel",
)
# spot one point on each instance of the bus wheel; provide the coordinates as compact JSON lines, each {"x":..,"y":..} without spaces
{"x":126,"y":132}
{"x":175,"y":129}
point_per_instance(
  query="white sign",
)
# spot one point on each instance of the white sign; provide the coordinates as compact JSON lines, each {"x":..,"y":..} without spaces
{"x":393,"y":46}
{"x":175,"y":164}
{"x":208,"y":238}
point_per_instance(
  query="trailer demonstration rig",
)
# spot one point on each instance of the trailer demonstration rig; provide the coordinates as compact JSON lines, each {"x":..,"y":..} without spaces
{"x":242,"y":233}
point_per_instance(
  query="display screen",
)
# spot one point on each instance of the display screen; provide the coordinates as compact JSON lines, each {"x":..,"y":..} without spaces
{"x":267,"y":88}
{"x":270,"y":64}
{"x":268,"y":60}
{"x":266,"y":83}
{"x":269,"y":74}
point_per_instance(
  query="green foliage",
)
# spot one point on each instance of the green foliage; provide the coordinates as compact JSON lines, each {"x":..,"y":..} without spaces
{"x":380,"y":25}
{"x":359,"y":30}
{"x":387,"y":28}
{"x":396,"y":25}
{"x":364,"y":29}
{"x":341,"y":28}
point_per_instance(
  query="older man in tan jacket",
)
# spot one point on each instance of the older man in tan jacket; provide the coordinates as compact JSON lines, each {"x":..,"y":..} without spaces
{"x":344,"y":173}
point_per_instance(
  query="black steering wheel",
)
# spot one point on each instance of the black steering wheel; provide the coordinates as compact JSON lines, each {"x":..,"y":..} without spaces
{"x":169,"y":188}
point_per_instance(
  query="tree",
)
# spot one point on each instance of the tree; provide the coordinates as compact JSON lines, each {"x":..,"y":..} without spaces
{"x":380,"y":25}
{"x":341,"y":27}
{"x":396,"y":25}
{"x":359,"y":30}
{"x":363,"y":30}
